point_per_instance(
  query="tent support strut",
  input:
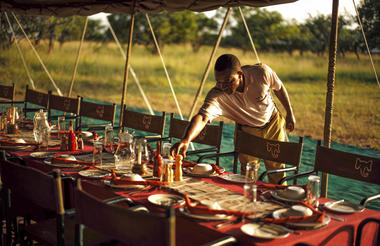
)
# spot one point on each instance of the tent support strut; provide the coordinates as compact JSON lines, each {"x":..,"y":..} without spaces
{"x":205,"y":75}
{"x":330,"y":87}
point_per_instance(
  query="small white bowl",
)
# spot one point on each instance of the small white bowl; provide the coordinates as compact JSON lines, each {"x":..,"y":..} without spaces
{"x":19,"y":140}
{"x":298,"y":210}
{"x":202,"y":168}
{"x":133,"y":177}
{"x":293,"y":192}
{"x":68,"y":157}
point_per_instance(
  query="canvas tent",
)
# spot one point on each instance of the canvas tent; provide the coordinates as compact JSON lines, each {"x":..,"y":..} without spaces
{"x":89,"y":7}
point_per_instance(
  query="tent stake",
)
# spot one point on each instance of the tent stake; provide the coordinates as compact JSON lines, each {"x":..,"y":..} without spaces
{"x":126,"y":70}
{"x":205,"y":75}
{"x":77,"y":59}
{"x":330,"y":88}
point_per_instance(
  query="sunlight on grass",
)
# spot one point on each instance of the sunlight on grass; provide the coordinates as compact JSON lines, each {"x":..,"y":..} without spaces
{"x":101,"y":70}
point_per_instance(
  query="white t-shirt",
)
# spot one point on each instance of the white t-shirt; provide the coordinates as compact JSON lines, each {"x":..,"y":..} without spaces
{"x":254,"y":106}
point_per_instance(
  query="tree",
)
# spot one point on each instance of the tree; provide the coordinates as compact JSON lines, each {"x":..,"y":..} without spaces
{"x":265,"y":27}
{"x":319,"y":27}
{"x":369,"y":11}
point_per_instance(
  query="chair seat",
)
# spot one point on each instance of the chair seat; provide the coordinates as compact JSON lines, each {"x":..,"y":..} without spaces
{"x":45,"y":233}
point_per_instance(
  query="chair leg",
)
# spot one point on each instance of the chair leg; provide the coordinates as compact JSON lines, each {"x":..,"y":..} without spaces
{"x":8,"y":236}
{"x":79,"y":234}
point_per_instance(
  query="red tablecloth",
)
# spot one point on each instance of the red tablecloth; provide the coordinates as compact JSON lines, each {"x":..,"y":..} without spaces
{"x":193,"y":232}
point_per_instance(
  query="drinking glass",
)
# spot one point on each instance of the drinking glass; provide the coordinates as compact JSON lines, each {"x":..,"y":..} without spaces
{"x":45,"y":137}
{"x":61,"y":125}
{"x":313,"y":192}
{"x":166,"y":149}
{"x":108,"y":136}
{"x":251,"y":175}
{"x":98,"y":150}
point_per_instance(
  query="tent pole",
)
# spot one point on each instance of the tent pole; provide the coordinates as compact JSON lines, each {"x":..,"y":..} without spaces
{"x":126,"y":69}
{"x":330,"y":87}
{"x":77,"y":59}
{"x":205,"y":75}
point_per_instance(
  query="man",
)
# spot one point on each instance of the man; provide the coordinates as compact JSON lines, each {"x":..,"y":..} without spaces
{"x":243,"y":94}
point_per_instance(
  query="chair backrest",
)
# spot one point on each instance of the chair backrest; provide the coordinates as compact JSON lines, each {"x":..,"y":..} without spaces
{"x":210,"y":135}
{"x":64,"y":104}
{"x":7,"y":91}
{"x":348,"y":165}
{"x":144,"y":122}
{"x":283,"y":152}
{"x":131,"y":227}
{"x":360,"y":229}
{"x":33,"y":185}
{"x":36,"y":97}
{"x":105,"y":112}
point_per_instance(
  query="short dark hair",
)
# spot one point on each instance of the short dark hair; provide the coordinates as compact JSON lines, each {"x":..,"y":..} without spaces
{"x":227,"y":61}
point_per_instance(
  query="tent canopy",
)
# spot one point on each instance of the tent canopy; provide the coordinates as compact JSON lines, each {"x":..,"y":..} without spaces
{"x":90,"y":7}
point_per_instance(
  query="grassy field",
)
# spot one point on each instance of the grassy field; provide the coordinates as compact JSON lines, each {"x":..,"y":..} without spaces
{"x":356,"y":118}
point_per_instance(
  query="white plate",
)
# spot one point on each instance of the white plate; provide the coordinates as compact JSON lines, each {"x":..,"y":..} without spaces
{"x":189,"y":171}
{"x":266,"y":231}
{"x":42,"y":154}
{"x":277,"y":196}
{"x":108,"y":182}
{"x":343,"y":207}
{"x":166,"y":200}
{"x":236,"y":178}
{"x":95,"y":174}
{"x":283,"y":212}
{"x":212,"y":217}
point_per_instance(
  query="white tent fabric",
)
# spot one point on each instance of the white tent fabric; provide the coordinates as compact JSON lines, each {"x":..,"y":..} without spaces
{"x":90,"y":7}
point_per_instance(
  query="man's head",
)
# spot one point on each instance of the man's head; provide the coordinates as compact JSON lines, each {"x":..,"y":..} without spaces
{"x":228,"y":74}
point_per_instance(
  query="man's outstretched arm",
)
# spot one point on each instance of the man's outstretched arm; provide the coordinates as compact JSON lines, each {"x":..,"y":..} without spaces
{"x":196,"y":125}
{"x":283,"y":96}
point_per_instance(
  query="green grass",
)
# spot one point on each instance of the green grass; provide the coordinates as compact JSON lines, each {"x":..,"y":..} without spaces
{"x":101,"y":70}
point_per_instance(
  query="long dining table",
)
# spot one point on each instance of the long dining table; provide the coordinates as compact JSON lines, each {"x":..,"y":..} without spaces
{"x":194,"y":231}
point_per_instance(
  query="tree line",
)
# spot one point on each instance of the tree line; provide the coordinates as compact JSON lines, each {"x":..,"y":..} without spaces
{"x":270,"y":31}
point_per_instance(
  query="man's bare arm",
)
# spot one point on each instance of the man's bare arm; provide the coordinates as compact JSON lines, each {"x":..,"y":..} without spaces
{"x":283,"y":96}
{"x":196,"y":125}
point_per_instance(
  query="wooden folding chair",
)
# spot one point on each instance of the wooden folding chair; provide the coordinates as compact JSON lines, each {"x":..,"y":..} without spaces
{"x":282,"y":152}
{"x":37,"y":196}
{"x":347,"y":165}
{"x":37,"y":98}
{"x":122,"y":224}
{"x":210,"y":135}
{"x":360,"y":229}
{"x":97,"y":111}
{"x":63,"y":104}
{"x":7,"y":92}
{"x":144,"y":122}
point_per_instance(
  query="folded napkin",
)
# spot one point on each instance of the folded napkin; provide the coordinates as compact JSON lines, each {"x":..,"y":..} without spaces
{"x":199,"y":209}
{"x":192,"y":164}
{"x":316,"y":217}
{"x":8,"y":142}
{"x":57,"y":159}
{"x":123,"y":181}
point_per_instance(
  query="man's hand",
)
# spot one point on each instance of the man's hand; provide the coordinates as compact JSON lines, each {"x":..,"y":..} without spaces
{"x":290,"y":122}
{"x":177,"y":147}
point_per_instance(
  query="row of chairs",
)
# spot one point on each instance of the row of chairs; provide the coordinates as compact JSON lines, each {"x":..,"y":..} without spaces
{"x":91,"y":222}
{"x":152,"y":124}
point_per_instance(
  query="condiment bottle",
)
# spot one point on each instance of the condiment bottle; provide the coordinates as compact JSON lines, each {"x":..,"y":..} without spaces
{"x":158,"y":160}
{"x":178,"y":168}
{"x":72,"y":139}
{"x":80,"y":142}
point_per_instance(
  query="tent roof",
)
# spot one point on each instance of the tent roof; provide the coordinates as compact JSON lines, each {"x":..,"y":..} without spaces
{"x":90,"y":7}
